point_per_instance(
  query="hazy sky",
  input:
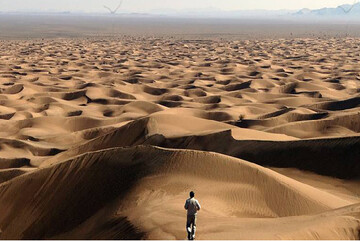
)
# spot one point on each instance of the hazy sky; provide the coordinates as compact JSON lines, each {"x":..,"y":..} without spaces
{"x":147,"y":5}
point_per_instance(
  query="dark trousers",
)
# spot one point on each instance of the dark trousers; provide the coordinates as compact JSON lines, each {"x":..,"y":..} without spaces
{"x":191,"y":223}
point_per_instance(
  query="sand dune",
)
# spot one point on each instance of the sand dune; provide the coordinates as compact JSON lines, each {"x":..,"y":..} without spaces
{"x":266,"y":133}
{"x":147,"y":177}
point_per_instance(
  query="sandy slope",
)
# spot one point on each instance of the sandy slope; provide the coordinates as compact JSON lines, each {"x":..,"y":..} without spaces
{"x":105,"y":138}
{"x":147,"y":184}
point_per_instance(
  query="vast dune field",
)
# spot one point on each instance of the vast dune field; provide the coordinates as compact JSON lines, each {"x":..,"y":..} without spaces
{"x":103,"y":138}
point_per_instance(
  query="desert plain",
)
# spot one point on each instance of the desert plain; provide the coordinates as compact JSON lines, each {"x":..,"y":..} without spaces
{"x":103,"y":137}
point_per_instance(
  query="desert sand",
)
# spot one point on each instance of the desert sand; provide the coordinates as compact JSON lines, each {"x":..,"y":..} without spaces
{"x":103,"y":138}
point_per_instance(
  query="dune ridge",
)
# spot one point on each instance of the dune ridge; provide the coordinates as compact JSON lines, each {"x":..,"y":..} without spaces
{"x":117,"y":171}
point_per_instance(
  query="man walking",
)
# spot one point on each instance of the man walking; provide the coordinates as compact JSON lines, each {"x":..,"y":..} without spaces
{"x":192,"y":206}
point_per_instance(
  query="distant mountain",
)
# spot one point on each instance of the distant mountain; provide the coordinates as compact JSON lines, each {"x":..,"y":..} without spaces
{"x":342,"y":10}
{"x":218,"y":13}
{"x":304,"y":11}
{"x":352,"y":10}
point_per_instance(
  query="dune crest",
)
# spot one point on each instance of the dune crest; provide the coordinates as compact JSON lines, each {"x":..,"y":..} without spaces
{"x":121,"y":175}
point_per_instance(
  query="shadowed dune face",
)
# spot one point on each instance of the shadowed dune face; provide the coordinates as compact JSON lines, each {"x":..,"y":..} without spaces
{"x":104,"y":138}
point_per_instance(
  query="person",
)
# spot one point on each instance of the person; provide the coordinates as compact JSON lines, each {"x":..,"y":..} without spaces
{"x":192,"y":206}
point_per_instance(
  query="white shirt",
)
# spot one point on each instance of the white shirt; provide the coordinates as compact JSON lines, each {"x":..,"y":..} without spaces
{"x":192,"y":206}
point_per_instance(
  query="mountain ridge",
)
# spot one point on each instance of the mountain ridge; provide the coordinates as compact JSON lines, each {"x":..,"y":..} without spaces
{"x":352,"y":10}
